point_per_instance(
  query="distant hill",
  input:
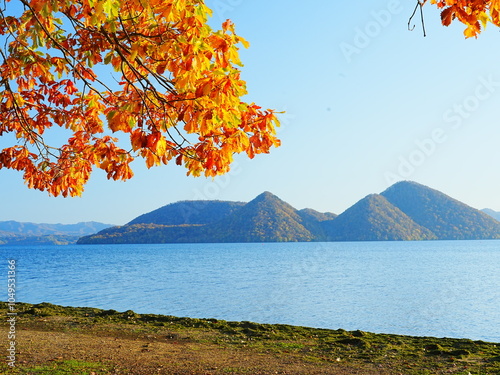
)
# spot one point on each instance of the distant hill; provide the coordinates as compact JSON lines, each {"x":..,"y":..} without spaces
{"x":373,"y":219}
{"x":265,"y":219}
{"x":19,"y":233}
{"x":147,"y":234}
{"x":316,"y":222}
{"x":446,"y":217}
{"x":494,"y":214}
{"x":32,"y":229}
{"x":405,"y":211}
{"x":188,"y":213}
{"x":49,"y":239}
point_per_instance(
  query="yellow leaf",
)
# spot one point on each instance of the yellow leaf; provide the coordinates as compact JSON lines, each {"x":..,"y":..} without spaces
{"x":470,"y":32}
{"x":161,"y":146}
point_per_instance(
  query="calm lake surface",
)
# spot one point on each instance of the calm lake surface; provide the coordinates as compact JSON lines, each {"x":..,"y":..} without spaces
{"x":434,"y":288}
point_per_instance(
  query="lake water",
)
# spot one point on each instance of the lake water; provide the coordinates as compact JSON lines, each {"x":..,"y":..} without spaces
{"x":434,"y":288}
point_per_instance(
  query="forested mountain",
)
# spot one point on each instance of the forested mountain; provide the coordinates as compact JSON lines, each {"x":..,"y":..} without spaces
{"x":316,"y":222}
{"x":373,"y":219}
{"x":405,"y":211}
{"x":47,"y":239}
{"x":494,"y":214}
{"x":189,"y":212}
{"x":446,"y":217}
{"x":265,"y":219}
{"x":32,"y":229}
{"x":148,"y":234}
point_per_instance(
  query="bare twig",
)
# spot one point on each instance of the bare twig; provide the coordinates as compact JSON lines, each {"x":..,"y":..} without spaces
{"x":420,"y":4}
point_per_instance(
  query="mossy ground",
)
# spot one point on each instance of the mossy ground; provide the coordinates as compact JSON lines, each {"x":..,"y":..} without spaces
{"x":66,"y":340}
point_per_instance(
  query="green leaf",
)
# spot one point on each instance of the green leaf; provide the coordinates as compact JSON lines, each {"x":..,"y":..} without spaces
{"x":111,"y":8}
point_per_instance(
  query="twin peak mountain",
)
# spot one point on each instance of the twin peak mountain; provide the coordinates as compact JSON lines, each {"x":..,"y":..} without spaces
{"x":405,"y":211}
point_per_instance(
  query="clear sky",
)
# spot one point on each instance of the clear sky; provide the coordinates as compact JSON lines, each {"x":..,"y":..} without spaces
{"x":367,"y":103}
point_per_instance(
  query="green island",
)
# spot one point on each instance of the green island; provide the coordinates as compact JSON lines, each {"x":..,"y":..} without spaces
{"x":406,"y":211}
{"x":58,"y":340}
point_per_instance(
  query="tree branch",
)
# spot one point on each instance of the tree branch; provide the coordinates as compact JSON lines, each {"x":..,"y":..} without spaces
{"x":420,"y":4}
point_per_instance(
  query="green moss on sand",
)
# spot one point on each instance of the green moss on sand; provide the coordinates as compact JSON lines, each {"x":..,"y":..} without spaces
{"x":312,"y":348}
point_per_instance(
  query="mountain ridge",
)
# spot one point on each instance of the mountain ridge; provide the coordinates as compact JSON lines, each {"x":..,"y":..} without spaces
{"x":374,"y":218}
{"x":27,"y":233}
{"x":188,"y":212}
{"x":494,"y":214}
{"x":404,"y":211}
{"x":448,"y":218}
{"x":266,"y":218}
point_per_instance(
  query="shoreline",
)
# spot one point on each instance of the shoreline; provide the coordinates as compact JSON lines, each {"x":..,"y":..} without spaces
{"x":131,"y":343}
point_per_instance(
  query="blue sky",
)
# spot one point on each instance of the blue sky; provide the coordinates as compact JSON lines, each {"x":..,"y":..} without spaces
{"x":367,"y":103}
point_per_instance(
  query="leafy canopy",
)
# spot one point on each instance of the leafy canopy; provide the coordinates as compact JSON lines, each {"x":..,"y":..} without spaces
{"x":172,"y":86}
{"x":473,"y":13}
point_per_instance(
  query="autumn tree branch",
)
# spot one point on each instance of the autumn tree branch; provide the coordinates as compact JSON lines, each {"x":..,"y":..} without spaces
{"x":419,"y":5}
